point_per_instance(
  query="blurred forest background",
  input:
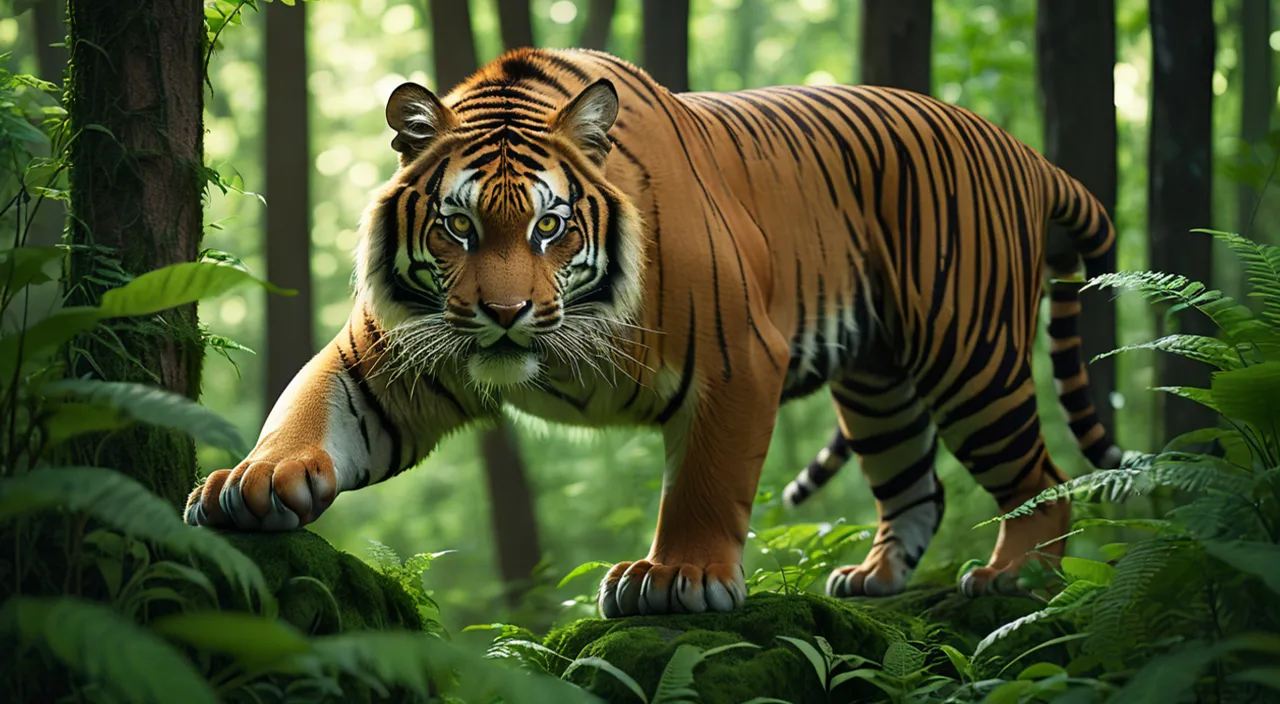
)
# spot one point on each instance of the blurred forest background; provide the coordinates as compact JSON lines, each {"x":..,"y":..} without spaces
{"x":295,"y":114}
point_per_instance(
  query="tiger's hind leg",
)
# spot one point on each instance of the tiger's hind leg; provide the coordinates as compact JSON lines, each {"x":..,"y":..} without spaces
{"x":997,"y":436}
{"x":890,"y":430}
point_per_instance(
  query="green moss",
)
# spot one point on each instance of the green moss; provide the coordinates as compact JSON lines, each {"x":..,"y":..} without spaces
{"x":294,"y":562}
{"x":641,"y":647}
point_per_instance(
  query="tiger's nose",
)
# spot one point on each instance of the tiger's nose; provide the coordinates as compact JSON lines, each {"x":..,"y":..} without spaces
{"x":505,"y":314}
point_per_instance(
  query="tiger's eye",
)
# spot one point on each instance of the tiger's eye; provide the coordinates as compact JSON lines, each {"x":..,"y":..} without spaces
{"x":460,"y":224}
{"x":548,"y":223}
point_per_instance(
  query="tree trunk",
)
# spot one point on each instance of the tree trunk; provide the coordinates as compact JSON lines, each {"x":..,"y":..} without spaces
{"x":289,"y":318}
{"x":515,"y":520}
{"x":744,"y":54}
{"x":665,"y":36}
{"x":595,"y":33}
{"x":453,"y":45}
{"x":136,"y":77}
{"x":515,"y":21}
{"x":897,"y":39}
{"x":1075,"y":48}
{"x":1180,"y":169}
{"x":511,"y":509}
{"x":1257,"y":101}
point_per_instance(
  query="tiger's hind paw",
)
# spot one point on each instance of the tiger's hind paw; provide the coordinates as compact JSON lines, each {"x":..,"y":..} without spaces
{"x":647,"y":588}
{"x":265,"y":496}
{"x":873,"y":577}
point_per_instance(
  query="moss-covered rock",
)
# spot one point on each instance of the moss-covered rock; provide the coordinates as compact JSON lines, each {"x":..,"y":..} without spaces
{"x":354,"y":596}
{"x":641,"y":647}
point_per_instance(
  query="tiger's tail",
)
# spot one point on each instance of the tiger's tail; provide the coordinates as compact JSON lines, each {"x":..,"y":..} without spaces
{"x":1093,"y":236}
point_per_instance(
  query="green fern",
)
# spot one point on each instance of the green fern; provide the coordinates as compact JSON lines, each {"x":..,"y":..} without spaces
{"x":676,"y":684}
{"x":125,"y":505}
{"x":1262,"y":267}
{"x":1115,"y":622}
{"x":105,"y":649}
{"x":1200,"y":348}
{"x":1236,"y":320}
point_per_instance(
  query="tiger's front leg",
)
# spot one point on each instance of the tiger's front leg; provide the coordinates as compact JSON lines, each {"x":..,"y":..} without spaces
{"x":715,"y":451}
{"x":333,"y":429}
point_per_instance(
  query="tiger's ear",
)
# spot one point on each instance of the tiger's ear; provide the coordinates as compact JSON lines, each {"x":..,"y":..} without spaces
{"x":586,"y":120}
{"x":418,"y":117}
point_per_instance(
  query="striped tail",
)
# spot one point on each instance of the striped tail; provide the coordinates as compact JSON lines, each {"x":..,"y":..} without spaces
{"x":1093,"y":235}
{"x":820,"y":471}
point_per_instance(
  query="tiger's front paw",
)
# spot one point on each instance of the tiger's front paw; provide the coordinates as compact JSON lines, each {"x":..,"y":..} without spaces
{"x":265,"y":495}
{"x":644,"y":588}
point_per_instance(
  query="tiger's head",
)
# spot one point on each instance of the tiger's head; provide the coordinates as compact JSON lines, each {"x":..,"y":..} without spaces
{"x":499,"y":244}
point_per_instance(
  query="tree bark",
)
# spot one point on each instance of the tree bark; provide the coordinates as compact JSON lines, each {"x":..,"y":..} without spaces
{"x":595,"y":32}
{"x":897,"y":40}
{"x":665,"y":36}
{"x":289,"y":318}
{"x":515,"y":21}
{"x":136,"y":77}
{"x":453,"y":46}
{"x":1258,"y":101}
{"x":1180,"y":171}
{"x":1075,"y":51}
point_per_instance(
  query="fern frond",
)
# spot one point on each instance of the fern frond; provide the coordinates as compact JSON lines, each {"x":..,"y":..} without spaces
{"x":1075,"y":596}
{"x":105,"y":649}
{"x":1200,"y":348}
{"x":1185,"y":472}
{"x":676,"y":685}
{"x":1236,"y":320}
{"x":1114,"y":624}
{"x":1262,"y":267}
{"x":128,"y":507}
{"x":1220,"y":517}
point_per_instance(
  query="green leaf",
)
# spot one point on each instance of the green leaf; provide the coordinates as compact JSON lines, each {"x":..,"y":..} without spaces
{"x":125,"y":505}
{"x":676,"y":684}
{"x":1248,"y":394}
{"x":44,"y":337}
{"x":68,"y":420}
{"x":1040,"y":670}
{"x":153,"y":406}
{"x":1265,"y":676}
{"x":252,"y":640}
{"x":901,"y":659}
{"x":1204,"y":397}
{"x":177,"y":285}
{"x":1262,"y":560}
{"x":24,"y":266}
{"x":606,"y":666}
{"x":1089,"y":570}
{"x":1009,"y":692}
{"x":583,"y":569}
{"x":105,"y":649}
{"x":958,"y":659}
{"x":820,"y":665}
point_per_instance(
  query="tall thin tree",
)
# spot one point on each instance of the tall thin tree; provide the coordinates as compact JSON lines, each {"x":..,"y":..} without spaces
{"x":511,"y":508}
{"x":288,"y":193}
{"x":136,"y":189}
{"x":665,"y":47}
{"x":1075,"y":54}
{"x":1258,"y":100}
{"x":595,"y":31}
{"x":515,"y":22}
{"x":1180,"y":168}
{"x":897,"y":44}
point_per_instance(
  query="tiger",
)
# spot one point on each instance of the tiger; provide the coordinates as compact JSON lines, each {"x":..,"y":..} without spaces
{"x":566,"y":237}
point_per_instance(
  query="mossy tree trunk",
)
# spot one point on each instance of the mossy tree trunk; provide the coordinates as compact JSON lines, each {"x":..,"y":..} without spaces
{"x":1076,"y":58}
{"x":897,"y":41}
{"x":135,"y":99}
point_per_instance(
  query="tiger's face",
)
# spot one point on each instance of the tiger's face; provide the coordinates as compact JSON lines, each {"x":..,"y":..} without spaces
{"x":499,"y":244}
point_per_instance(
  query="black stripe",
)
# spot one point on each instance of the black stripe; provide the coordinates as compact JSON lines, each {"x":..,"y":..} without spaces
{"x":686,"y":375}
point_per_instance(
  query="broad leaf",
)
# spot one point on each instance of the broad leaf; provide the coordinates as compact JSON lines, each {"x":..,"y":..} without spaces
{"x":606,"y":666}
{"x":582,"y":569}
{"x":153,"y":406}
{"x":44,"y":337}
{"x":1088,"y":570}
{"x":1262,"y":560}
{"x":24,"y":266}
{"x":1249,"y":394}
{"x":252,"y":640}
{"x":177,"y":285}
{"x":105,"y":649}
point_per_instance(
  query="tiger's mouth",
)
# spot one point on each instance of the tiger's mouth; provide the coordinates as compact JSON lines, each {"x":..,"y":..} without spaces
{"x":504,"y":363}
